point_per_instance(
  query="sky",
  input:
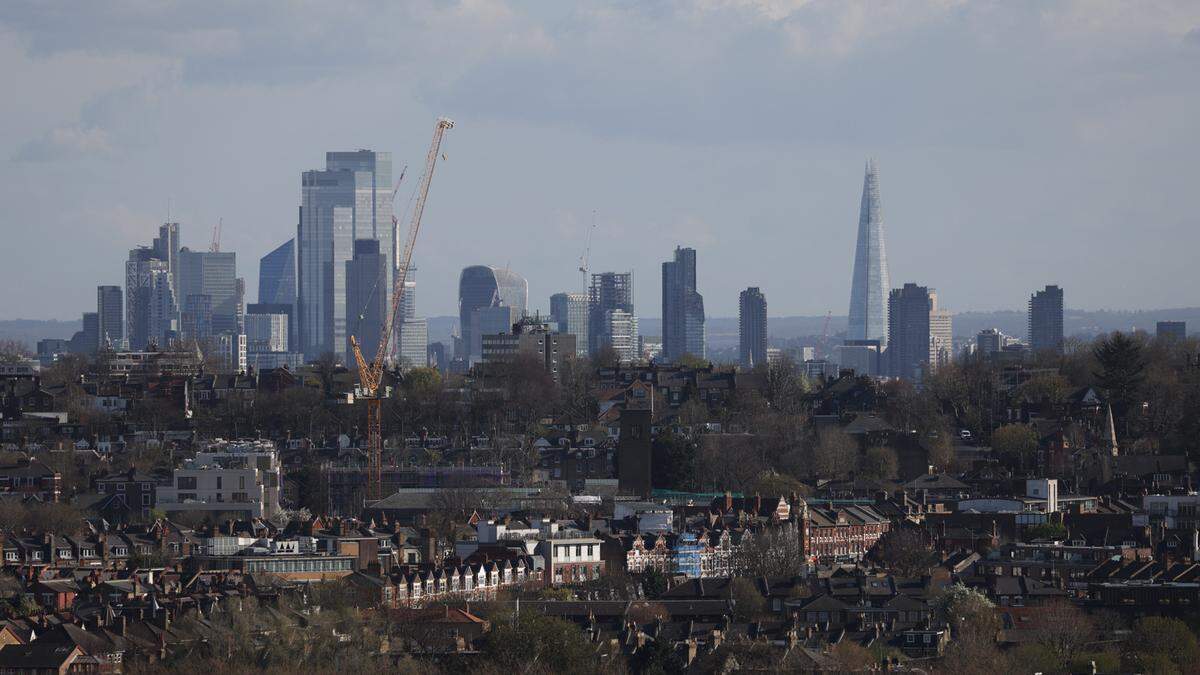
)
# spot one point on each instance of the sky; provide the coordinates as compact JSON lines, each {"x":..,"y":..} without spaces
{"x":1019,"y":143}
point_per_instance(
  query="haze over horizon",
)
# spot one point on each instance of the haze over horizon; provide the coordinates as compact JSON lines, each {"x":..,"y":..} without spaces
{"x":1019,"y":144}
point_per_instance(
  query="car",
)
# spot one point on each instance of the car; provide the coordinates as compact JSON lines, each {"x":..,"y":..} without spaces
{"x":964,"y":434}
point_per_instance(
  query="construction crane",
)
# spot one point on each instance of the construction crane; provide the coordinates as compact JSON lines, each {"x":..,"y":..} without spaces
{"x":587,"y":253}
{"x":370,"y":374}
{"x":215,"y":247}
{"x":825,"y":328}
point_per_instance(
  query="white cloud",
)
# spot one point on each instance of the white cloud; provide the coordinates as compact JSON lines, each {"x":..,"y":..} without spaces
{"x":66,"y":143}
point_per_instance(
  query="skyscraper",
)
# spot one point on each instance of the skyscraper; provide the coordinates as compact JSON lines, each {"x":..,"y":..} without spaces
{"x":163,"y":313}
{"x":347,"y":201}
{"x":752,"y":327}
{"x":366,"y":298}
{"x":914,"y":334}
{"x":1046,"y":320}
{"x":277,"y":275}
{"x":166,"y":248}
{"x":479,"y":287}
{"x":609,"y":291}
{"x":110,"y":313}
{"x":140,"y":271}
{"x":870,"y":284}
{"x":619,"y":331}
{"x":569,"y":312}
{"x":683,"y":307}
{"x":213,"y":274}
{"x":412,"y":332}
{"x":195,"y":319}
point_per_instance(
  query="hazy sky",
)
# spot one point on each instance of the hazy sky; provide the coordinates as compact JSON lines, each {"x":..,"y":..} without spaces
{"x":1019,"y":143}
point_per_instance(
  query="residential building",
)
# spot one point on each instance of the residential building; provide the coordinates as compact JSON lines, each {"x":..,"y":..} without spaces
{"x":1171,"y":330}
{"x":611,"y":292}
{"x":413,"y":350}
{"x":919,"y":334}
{"x":347,"y":201}
{"x":620,"y":333}
{"x":231,"y":351}
{"x":752,"y":327}
{"x":110,"y":313}
{"x":683,"y":307}
{"x":366,"y":298}
{"x":530,"y":336}
{"x":226,"y":477}
{"x":988,"y":342}
{"x":869,"y":304}
{"x":1046,"y":320}
{"x":482,"y":287}
{"x":31,"y":478}
{"x":569,"y":313}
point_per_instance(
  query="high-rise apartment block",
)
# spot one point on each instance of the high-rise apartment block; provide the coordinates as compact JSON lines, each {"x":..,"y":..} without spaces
{"x":683,"y":307}
{"x":1046,"y":320}
{"x":349,"y":200}
{"x":869,"y":300}
{"x":110,"y":314}
{"x":479,"y":288}
{"x":920,"y":336}
{"x":752,"y":327}
{"x":569,"y":313}
{"x":619,"y":331}
{"x":609,"y":292}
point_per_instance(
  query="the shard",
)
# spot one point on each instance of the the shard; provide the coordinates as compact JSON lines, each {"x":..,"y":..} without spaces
{"x":870,"y":285}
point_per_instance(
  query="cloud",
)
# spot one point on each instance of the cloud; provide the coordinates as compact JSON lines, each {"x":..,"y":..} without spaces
{"x":66,"y":143}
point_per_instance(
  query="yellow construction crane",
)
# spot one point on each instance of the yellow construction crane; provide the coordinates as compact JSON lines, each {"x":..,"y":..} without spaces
{"x":370,"y":375}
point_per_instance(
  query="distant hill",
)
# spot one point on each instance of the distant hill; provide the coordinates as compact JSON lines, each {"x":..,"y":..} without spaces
{"x":29,"y":331}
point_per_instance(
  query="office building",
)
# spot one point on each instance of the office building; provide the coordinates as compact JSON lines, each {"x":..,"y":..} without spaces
{"x":1171,"y":330}
{"x":1046,"y":320}
{"x":195,"y":321}
{"x":530,"y":336}
{"x":569,"y":314}
{"x":139,"y":269}
{"x":213,"y":274}
{"x":266,"y":333}
{"x":619,"y":332}
{"x":413,"y":348}
{"x":366,"y":298}
{"x":988,"y":342}
{"x":482,"y":287}
{"x":349,"y":200}
{"x":752,"y":327}
{"x":683,"y":307}
{"x":110,"y":313}
{"x":166,"y":248}
{"x":870,"y":283}
{"x":941,"y":336}
{"x":917,"y":331}
{"x":609,"y":291}
{"x":163,"y":314}
{"x":861,"y":356}
{"x":277,"y":275}
{"x":86,"y":340}
{"x":438,"y":357}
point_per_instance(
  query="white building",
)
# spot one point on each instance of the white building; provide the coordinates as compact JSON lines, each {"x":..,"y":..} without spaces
{"x":242,"y":476}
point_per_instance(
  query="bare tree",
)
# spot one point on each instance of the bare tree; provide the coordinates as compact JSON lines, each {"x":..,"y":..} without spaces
{"x":771,"y":552}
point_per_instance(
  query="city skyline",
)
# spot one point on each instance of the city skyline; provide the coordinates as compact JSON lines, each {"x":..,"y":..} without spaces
{"x":1051,"y":147}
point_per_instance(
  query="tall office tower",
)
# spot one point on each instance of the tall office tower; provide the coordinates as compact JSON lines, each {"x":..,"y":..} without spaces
{"x":110,"y":313}
{"x":195,"y":319}
{"x":909,"y":336}
{"x":277,"y":275}
{"x":347,"y":201}
{"x":140,"y":270}
{"x":619,"y":330}
{"x":569,"y":312}
{"x":609,"y":291}
{"x":941,"y":335}
{"x":166,"y":248}
{"x":89,"y":337}
{"x":239,"y":287}
{"x":412,"y":332}
{"x":870,"y":285}
{"x":988,"y":342}
{"x":752,"y":327}
{"x":163,"y":312}
{"x":479,"y":287}
{"x":1046,"y":320}
{"x":366,"y":298}
{"x":214,"y":275}
{"x":682,"y":307}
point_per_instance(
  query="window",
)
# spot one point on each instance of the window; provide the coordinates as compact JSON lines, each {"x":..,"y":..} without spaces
{"x":186,"y":483}
{"x":218,"y":482}
{"x":145,"y":499}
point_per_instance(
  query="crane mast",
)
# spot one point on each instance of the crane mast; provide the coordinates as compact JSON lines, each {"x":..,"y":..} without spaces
{"x":370,"y":374}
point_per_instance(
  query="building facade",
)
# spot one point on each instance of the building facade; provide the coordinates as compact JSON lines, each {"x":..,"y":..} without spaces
{"x":366,"y":298}
{"x":609,"y":292}
{"x":277,"y":275}
{"x":869,"y":287}
{"x":481,"y":287}
{"x":683,"y":307}
{"x":110,"y":315}
{"x":569,"y":313}
{"x":752,"y":327}
{"x":213,"y":274}
{"x":910,"y":337}
{"x":1046,"y":320}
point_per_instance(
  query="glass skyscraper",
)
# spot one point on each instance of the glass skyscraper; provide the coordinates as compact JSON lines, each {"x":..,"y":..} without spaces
{"x":570,"y":314}
{"x":870,"y":285}
{"x":752,"y":327}
{"x":481,"y":287}
{"x":110,"y":313}
{"x":277,"y":275}
{"x":214,"y":275}
{"x":683,"y":307}
{"x":366,"y":298}
{"x":349,"y":200}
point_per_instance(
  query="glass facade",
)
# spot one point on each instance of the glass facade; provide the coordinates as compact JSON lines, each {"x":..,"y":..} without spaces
{"x":610,"y":291}
{"x":110,"y":312}
{"x":570,"y":314}
{"x":366,"y":298}
{"x":277,"y":275}
{"x":214,"y":275}
{"x":481,"y":287}
{"x":683,"y":307}
{"x":870,"y":286}
{"x":752,"y":327}
{"x":350,"y":199}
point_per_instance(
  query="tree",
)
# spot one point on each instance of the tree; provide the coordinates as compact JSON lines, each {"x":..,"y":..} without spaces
{"x":881,"y":463}
{"x":13,"y":351}
{"x":748,"y":603}
{"x":654,"y":583}
{"x":905,"y":552}
{"x":1158,"y":643}
{"x":1018,"y":443}
{"x":835,"y":455}
{"x":1062,"y":629}
{"x":673,"y":462}
{"x":534,"y":643}
{"x":771,"y":552}
{"x":1122,"y":362}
